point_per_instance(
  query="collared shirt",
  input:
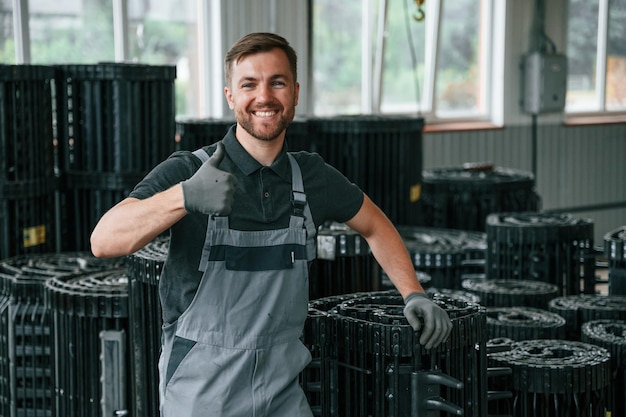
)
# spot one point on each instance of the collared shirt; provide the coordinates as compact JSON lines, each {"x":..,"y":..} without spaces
{"x":262,"y":202}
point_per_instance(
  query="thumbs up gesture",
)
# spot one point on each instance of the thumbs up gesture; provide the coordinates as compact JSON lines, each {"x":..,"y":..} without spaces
{"x":210,"y":190}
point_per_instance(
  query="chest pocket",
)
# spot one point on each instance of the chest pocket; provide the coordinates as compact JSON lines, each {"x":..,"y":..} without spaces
{"x":264,"y":258}
{"x":255,"y":255}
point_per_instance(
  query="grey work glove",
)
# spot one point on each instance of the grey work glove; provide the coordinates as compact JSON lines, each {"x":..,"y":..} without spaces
{"x":437,"y":324}
{"x":210,"y":190}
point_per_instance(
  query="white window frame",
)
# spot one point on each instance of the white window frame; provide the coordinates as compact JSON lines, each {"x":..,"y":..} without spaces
{"x":599,"y":108}
{"x":494,"y":12}
{"x":491,"y":61}
{"x":22,"y":34}
{"x":20,"y":31}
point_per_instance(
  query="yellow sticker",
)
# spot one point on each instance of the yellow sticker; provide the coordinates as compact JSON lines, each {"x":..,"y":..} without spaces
{"x":416,"y":191}
{"x":34,"y":236}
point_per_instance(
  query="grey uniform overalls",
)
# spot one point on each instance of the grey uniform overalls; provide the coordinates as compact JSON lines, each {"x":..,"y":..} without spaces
{"x":236,"y":350}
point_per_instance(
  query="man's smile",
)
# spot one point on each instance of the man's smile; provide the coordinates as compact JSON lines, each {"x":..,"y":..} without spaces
{"x":264,"y":113}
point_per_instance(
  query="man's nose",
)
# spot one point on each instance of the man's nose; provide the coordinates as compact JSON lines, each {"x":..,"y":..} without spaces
{"x":264,"y":92}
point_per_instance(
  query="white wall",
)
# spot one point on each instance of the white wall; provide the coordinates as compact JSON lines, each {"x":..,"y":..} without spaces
{"x":519,"y":22}
{"x":288,"y":18}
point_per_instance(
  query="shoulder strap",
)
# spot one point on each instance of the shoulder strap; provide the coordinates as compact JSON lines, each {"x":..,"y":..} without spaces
{"x":301,"y":207}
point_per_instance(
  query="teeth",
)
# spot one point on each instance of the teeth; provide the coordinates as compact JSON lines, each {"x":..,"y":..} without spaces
{"x":265,"y":113}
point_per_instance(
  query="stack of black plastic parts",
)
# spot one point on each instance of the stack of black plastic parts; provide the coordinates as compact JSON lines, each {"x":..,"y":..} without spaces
{"x":556,"y":378}
{"x":462,"y":197}
{"x":367,"y":360}
{"x":194,"y":133}
{"x":144,"y":270}
{"x":446,"y":255}
{"x":549,"y":247}
{"x":380,"y":153}
{"x":615,"y":252}
{"x":89,"y":328}
{"x":611,"y":335}
{"x":582,"y":308}
{"x":115,"y":122}
{"x":27,"y":183}
{"x":28,"y":367}
{"x":344,"y":263}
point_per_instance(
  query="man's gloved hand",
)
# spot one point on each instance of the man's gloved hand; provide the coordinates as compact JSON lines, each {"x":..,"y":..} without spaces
{"x":210,"y":190}
{"x":437,"y":324}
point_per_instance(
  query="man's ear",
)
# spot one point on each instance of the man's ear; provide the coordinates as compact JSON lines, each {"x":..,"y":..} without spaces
{"x":229,"y":98}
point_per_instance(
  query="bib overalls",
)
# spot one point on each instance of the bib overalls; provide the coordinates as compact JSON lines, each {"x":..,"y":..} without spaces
{"x":236,"y":350}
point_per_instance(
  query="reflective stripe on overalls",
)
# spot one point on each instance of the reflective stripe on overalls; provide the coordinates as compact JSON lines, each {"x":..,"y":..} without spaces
{"x":236,"y":350}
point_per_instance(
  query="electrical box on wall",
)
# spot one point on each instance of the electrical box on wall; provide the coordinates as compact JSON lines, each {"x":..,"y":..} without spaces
{"x":544,"y":82}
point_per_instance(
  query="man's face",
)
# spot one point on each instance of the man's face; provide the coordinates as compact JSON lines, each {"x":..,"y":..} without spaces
{"x":263,"y":94}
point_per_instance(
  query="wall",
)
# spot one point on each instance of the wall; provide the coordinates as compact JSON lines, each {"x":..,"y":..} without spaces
{"x":580,"y":169}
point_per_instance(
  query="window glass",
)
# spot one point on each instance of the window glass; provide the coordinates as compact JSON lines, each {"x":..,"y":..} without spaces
{"x":399,"y":90}
{"x":458,"y":67}
{"x":7,"y":44}
{"x":459,"y":89}
{"x":71,"y":31}
{"x":337,"y":56}
{"x":616,"y":56}
{"x":164,"y":32}
{"x":582,"y":44}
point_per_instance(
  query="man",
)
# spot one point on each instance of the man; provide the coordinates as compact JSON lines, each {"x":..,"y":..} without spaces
{"x":242,"y":216}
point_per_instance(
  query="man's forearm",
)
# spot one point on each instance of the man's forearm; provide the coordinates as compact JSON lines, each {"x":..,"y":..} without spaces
{"x":133,"y":223}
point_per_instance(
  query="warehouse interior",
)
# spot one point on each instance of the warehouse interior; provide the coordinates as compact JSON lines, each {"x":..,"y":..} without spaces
{"x":491,"y":133}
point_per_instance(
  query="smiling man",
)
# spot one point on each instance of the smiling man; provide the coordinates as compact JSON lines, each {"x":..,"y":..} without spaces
{"x":262,"y":91}
{"x":242,"y":216}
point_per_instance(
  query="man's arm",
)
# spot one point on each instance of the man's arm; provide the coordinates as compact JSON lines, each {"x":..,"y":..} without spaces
{"x":389,"y":250}
{"x":133,"y":223}
{"x":387,"y":246}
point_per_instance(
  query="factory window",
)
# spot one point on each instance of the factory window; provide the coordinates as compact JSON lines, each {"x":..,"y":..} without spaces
{"x":82,"y":32}
{"x":596,"y":56}
{"x":437,"y":65}
{"x":370,"y":56}
{"x":7,"y":44}
{"x":73,"y":31}
{"x":164,"y":32}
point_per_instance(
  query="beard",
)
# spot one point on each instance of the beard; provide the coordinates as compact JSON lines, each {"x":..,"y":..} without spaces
{"x":266,"y":132}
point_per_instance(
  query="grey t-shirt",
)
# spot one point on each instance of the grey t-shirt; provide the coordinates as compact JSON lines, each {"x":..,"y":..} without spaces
{"x":262,"y":202}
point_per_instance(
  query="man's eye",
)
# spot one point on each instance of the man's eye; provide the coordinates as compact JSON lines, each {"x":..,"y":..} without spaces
{"x":278,"y":84}
{"x":247,"y":85}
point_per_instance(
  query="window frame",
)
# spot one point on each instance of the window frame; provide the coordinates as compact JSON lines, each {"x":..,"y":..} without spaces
{"x":600,"y":114}
{"x":491,"y":55}
{"x":498,"y":105}
{"x":371,"y":103}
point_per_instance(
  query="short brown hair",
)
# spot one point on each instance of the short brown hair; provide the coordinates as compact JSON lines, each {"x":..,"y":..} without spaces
{"x":258,"y":42}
